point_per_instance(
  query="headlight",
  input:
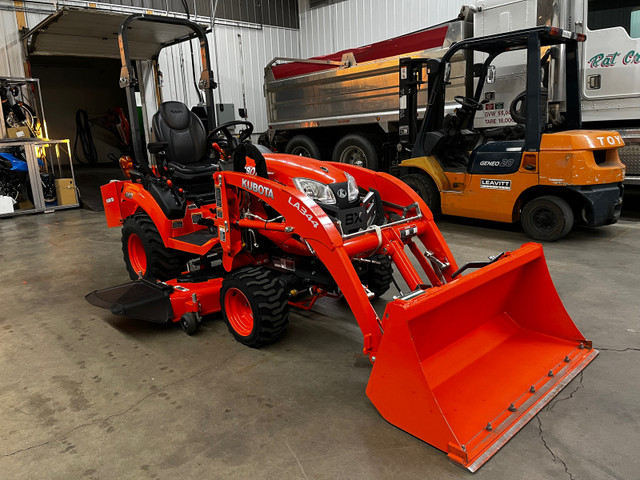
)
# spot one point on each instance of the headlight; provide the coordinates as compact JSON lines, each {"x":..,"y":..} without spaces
{"x":316,"y":190}
{"x":352,"y":187}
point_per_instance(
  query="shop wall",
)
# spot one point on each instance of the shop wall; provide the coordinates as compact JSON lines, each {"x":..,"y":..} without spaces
{"x":239,"y":71}
{"x":11,"y":59}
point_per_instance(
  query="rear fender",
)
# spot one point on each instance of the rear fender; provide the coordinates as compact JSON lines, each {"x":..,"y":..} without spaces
{"x":117,"y":206}
{"x":122,"y":199}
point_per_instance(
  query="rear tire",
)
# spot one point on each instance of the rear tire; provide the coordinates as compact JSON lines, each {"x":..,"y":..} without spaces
{"x":303,"y":146}
{"x":255,"y":306}
{"x":144,"y":251}
{"x":426,"y":188}
{"x":357,"y":149}
{"x":547,"y":218}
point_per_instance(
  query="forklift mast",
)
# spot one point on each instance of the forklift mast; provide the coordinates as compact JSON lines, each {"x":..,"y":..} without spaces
{"x":531,"y":39}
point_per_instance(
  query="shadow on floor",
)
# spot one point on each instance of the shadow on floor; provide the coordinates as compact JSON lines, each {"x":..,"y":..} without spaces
{"x":89,"y":179}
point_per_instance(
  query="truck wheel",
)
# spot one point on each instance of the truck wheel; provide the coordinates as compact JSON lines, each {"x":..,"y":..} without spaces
{"x":547,"y":218}
{"x":145,"y":252}
{"x":255,"y":306}
{"x":377,"y":276}
{"x":426,"y":188}
{"x":303,"y":146}
{"x":357,"y":150}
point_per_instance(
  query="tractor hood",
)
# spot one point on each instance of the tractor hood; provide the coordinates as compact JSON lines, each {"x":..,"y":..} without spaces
{"x":282,"y":168}
{"x":573,"y":140}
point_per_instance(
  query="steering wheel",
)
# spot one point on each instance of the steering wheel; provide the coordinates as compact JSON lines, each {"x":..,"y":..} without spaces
{"x":232,"y":141}
{"x":468,"y":103}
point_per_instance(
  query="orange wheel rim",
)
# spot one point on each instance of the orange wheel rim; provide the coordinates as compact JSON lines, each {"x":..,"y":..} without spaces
{"x":239,"y":312}
{"x":137,"y":255}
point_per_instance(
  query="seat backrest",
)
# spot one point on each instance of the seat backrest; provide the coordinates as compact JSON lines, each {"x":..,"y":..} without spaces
{"x":182,"y":130}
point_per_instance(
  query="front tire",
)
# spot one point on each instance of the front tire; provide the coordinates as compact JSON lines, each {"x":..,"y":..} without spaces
{"x":547,"y":218}
{"x":377,"y":276}
{"x":144,"y":251}
{"x":255,"y":306}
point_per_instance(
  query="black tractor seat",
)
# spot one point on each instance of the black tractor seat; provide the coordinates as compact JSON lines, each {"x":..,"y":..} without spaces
{"x":184,"y":158}
{"x":189,"y":172}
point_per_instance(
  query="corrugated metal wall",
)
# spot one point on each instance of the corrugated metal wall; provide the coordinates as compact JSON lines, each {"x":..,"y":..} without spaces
{"x":11,"y":61}
{"x":259,"y":47}
{"x":353,"y":23}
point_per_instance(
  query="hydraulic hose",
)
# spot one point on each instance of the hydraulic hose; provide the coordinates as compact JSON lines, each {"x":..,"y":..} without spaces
{"x":83,"y":133}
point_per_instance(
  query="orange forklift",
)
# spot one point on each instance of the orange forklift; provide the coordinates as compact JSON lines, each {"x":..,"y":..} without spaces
{"x":548,"y":180}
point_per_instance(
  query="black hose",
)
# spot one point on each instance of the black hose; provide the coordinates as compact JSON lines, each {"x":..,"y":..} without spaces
{"x":83,"y":132}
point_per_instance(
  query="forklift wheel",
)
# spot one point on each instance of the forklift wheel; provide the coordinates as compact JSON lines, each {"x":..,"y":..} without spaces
{"x":547,"y":218}
{"x":255,"y":306}
{"x":426,"y":188}
{"x":189,"y":323}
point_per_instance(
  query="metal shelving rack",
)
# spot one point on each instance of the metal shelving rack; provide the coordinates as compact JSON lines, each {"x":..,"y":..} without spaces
{"x":42,"y":154}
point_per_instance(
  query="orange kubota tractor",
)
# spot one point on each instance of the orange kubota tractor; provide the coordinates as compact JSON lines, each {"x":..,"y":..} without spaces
{"x":460,"y":361}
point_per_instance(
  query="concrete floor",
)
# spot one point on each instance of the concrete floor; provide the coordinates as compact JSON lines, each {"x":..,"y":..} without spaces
{"x":86,"y":395}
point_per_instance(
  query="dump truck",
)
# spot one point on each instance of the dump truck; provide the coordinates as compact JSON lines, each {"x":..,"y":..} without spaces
{"x":345,"y":106}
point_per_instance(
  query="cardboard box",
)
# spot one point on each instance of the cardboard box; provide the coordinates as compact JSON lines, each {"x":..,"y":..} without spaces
{"x":18,"y":132}
{"x":66,"y":191}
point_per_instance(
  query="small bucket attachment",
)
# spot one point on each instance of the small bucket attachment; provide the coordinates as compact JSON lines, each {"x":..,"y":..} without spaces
{"x":466,"y":365}
{"x":139,"y":299}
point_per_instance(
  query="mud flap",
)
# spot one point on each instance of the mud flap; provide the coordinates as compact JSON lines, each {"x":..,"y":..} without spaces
{"x":464,"y":366}
{"x":139,"y":299}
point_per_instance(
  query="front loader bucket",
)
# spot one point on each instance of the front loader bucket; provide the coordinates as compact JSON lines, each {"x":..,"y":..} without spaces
{"x":466,"y":365}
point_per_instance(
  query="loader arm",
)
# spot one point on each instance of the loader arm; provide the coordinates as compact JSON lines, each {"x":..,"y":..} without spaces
{"x":304,"y":218}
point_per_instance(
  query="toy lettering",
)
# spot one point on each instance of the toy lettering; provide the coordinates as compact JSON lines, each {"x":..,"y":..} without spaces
{"x":611,"y":140}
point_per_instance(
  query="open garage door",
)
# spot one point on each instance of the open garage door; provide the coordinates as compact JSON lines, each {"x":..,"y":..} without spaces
{"x":93,"y":33}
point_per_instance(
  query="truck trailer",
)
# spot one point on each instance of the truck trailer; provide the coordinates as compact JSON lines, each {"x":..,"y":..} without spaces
{"x":348,"y":107}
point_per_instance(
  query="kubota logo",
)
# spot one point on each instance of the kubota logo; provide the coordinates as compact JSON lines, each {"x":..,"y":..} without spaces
{"x":303,"y":210}
{"x":257,"y":188}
